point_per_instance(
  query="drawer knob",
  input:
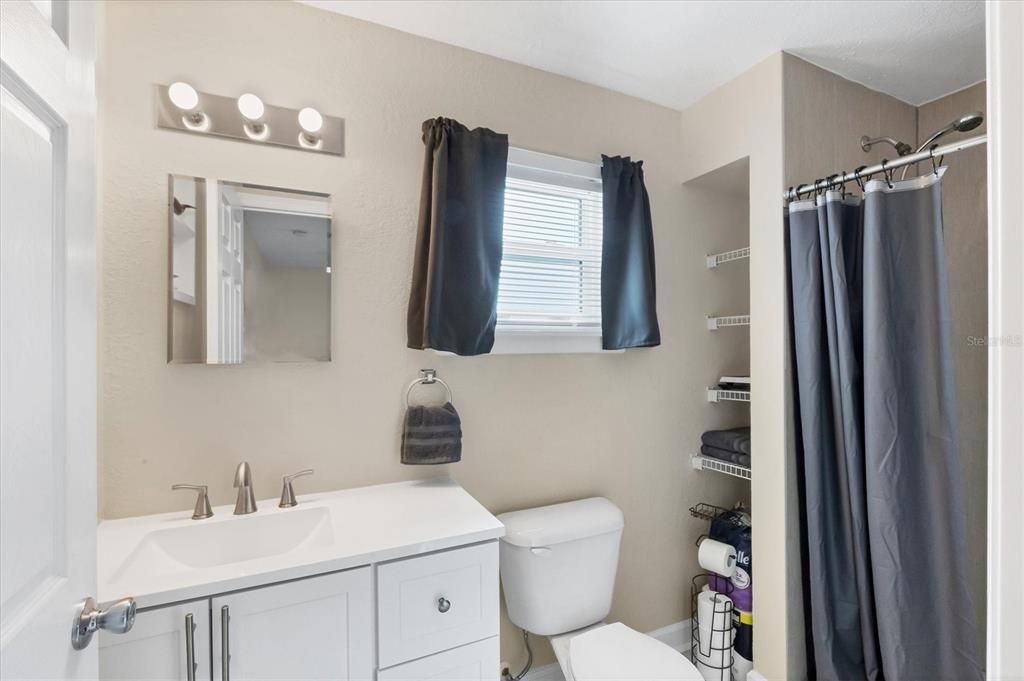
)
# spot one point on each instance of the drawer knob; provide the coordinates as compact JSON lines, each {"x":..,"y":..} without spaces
{"x":443,"y":604}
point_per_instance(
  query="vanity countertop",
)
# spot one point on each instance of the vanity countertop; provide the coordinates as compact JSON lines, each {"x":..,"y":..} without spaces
{"x":166,"y":558}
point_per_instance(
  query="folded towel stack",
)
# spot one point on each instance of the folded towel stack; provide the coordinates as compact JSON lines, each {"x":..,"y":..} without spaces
{"x":432,"y":435}
{"x":731,"y":445}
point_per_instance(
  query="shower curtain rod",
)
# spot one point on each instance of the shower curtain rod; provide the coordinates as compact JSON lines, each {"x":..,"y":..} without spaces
{"x":843,"y":177}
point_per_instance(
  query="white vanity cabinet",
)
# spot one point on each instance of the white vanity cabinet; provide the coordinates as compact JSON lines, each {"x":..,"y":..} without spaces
{"x":160,"y":645}
{"x":315,"y":628}
{"x":372,"y":589}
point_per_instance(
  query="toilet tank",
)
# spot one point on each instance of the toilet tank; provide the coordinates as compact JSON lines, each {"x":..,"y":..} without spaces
{"x":558,"y":564}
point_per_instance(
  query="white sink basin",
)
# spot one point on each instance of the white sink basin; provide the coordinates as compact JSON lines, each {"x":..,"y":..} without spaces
{"x":206,"y":544}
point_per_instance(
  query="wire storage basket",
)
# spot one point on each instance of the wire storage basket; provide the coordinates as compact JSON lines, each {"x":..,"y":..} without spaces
{"x":711,"y":641}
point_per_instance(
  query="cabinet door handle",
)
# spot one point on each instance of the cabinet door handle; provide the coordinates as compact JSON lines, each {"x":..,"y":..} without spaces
{"x":190,"y":648}
{"x":225,"y":644}
{"x":443,"y":605}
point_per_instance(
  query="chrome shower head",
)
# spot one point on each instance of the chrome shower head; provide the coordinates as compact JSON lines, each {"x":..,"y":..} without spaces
{"x":968,"y":122}
{"x":964,"y":123}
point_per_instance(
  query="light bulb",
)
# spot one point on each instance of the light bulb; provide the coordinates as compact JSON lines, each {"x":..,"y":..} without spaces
{"x":183,"y":96}
{"x":250,"y":106}
{"x":310,"y":120}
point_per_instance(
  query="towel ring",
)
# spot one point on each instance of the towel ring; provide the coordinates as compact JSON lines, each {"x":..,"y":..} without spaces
{"x":427,"y":377}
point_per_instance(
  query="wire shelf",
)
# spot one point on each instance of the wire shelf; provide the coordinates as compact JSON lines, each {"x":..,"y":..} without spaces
{"x":706,"y":463}
{"x":708,"y":512}
{"x":722,"y":258}
{"x":717,"y":395}
{"x":715,"y":323}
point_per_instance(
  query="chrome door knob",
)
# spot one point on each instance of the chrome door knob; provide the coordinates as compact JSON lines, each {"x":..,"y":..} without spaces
{"x":443,"y":604}
{"x":117,"y":619}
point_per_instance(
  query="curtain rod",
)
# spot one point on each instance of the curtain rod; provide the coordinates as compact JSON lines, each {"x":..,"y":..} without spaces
{"x":843,"y":177}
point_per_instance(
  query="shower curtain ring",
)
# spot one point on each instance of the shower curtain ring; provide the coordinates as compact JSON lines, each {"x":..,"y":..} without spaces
{"x":887,"y":172}
{"x":831,"y":180}
{"x":857,"y":177}
{"x":935,"y":167}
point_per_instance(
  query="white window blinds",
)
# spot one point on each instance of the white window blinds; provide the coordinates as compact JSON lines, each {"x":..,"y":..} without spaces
{"x":551,"y":266}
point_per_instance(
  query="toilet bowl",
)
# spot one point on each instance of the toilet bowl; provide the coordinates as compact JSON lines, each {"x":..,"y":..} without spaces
{"x":614,"y":652}
{"x":558,"y":566}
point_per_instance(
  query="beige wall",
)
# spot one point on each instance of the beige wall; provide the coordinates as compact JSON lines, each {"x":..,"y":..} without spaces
{"x":743,"y":120}
{"x":538,"y":429}
{"x":965,"y":221}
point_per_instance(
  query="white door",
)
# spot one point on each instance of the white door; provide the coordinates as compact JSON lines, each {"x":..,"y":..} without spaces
{"x":161,"y":646}
{"x":316,"y":628}
{"x":225,"y":271}
{"x":47,"y":335}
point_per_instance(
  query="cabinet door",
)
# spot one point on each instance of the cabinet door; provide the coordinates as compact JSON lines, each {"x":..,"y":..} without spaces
{"x":159,"y":645}
{"x":316,"y":628}
{"x":476,"y":662}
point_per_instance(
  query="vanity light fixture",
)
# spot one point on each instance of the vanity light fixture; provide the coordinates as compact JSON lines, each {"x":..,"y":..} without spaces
{"x":185,"y":97}
{"x":247,"y":117}
{"x":252,"y":110}
{"x":311,"y":122}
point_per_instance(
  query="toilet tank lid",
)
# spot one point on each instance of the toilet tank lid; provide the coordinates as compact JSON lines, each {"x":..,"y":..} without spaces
{"x":559,"y":523}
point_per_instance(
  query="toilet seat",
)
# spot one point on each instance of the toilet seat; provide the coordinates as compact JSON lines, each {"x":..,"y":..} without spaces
{"x":615,"y":652}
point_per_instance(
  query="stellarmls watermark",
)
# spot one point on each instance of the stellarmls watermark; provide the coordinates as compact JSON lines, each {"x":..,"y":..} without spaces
{"x":1010,"y":341}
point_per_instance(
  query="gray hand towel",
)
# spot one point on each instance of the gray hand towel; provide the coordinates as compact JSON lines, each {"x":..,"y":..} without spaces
{"x":432,"y":435}
{"x":725,"y":455}
{"x":732,"y":439}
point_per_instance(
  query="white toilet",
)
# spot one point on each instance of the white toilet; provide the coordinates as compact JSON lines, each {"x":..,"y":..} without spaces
{"x":558,"y":568}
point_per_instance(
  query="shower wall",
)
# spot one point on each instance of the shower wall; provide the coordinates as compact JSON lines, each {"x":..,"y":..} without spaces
{"x":825,"y":116}
{"x":965,"y":220}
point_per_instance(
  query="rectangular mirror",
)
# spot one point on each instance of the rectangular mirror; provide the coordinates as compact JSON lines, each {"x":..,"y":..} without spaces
{"x":250,"y":273}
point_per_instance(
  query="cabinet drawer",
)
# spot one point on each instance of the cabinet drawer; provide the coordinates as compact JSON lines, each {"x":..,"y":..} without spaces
{"x":436,"y":602}
{"x":474,"y":662}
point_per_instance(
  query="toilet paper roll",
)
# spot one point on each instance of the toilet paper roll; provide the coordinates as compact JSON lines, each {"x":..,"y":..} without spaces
{"x":741,"y":666}
{"x":713,"y":672}
{"x":718,"y":557}
{"x":714,"y":655}
{"x":711,"y":641}
{"x":714,"y":611}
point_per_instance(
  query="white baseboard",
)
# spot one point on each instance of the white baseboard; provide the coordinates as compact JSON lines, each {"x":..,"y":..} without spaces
{"x":676,"y":635}
{"x":549,"y":672}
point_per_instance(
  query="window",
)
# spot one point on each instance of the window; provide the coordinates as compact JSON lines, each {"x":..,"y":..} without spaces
{"x":549,"y":291}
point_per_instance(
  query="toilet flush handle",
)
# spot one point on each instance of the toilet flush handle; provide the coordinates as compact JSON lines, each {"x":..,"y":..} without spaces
{"x":540,"y":550}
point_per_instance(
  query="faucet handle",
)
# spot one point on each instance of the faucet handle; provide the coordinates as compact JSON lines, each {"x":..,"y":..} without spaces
{"x":287,"y":493}
{"x":202,"y":509}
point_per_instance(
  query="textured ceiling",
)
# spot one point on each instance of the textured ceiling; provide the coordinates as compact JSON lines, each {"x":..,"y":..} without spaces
{"x":674,"y":53}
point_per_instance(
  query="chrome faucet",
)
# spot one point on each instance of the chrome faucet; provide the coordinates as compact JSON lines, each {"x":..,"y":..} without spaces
{"x":246,"y":502}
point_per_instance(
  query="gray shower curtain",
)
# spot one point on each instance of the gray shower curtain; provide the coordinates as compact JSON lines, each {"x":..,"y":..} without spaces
{"x":882,"y":510}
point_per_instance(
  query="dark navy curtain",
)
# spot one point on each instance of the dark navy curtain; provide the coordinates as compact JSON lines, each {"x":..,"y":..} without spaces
{"x":454,"y":296}
{"x":629,"y":318}
{"x":885,"y":542}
